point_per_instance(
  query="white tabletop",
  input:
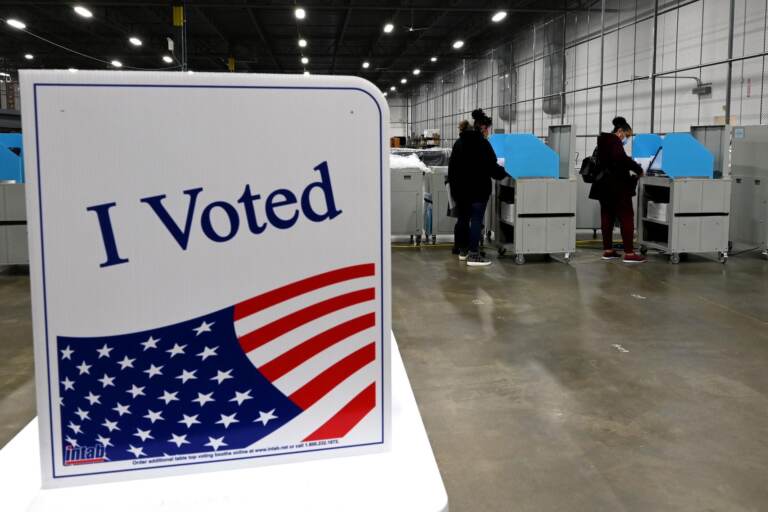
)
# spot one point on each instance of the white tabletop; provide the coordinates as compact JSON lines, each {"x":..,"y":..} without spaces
{"x":403,"y":479}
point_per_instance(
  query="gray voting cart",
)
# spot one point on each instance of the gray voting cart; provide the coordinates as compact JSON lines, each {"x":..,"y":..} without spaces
{"x":682,"y":208}
{"x":13,"y":225}
{"x":749,"y":178}
{"x":534,"y":209}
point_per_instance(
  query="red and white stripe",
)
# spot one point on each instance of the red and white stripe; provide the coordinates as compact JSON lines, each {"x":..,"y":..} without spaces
{"x":315,"y":340}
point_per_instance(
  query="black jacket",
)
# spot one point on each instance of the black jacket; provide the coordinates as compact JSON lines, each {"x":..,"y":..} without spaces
{"x":471,"y":166}
{"x":616,"y":164}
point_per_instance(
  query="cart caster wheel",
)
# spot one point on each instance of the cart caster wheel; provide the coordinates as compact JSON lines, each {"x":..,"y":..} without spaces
{"x":567,"y":257}
{"x":674,"y":258}
{"x":418,"y":239}
{"x":519,"y":259}
{"x":765,"y":254}
{"x":434,"y":239}
{"x":501,"y":251}
{"x":643,"y":250}
{"x":722,"y":257}
{"x":411,"y":239}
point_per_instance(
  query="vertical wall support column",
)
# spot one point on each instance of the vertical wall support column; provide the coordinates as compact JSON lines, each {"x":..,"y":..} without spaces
{"x":729,"y":78}
{"x":653,"y":63}
{"x":562,"y":89}
{"x":602,"y":64}
{"x":533,"y":84}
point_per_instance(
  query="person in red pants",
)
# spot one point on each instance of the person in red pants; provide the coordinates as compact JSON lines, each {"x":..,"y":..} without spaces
{"x":615,"y":190}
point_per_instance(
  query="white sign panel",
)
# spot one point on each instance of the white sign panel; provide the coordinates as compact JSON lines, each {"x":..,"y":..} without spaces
{"x":210,"y":269}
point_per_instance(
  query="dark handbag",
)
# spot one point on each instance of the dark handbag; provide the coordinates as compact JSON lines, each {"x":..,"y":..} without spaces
{"x":591,"y":171}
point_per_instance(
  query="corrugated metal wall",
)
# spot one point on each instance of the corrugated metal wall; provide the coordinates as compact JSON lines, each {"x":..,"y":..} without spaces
{"x":608,"y":53}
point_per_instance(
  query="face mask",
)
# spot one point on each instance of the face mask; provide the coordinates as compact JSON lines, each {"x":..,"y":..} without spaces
{"x":624,"y":142}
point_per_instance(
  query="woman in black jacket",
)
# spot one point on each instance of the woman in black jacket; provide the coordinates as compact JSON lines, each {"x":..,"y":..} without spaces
{"x":615,"y":190}
{"x":470,"y":168}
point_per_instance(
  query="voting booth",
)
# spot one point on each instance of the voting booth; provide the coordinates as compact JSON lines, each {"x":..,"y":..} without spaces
{"x":682,"y":208}
{"x":206,"y":298}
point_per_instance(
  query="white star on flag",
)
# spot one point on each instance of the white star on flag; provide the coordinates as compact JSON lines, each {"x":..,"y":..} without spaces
{"x":178,"y":440}
{"x":153,"y":370}
{"x":185,"y":376}
{"x":189,"y":420}
{"x":153,"y":416}
{"x":204,"y":327}
{"x":106,"y":380}
{"x":215,"y":443}
{"x":168,"y":397}
{"x":264,"y":417}
{"x":136,"y":391}
{"x":103,"y":440}
{"x":143,"y":434}
{"x":203,"y":399}
{"x":67,"y":353}
{"x":84,"y":368}
{"x":137,"y":451}
{"x":222,"y":376}
{"x":111,"y":425}
{"x":150,"y":343}
{"x":68,"y":384}
{"x":122,"y":409}
{"x":227,"y":420}
{"x":241,"y":397}
{"x":75,"y":428}
{"x":208,"y":352}
{"x":93,"y":399}
{"x":127,"y":362}
{"x":104,"y":351}
{"x":176,"y":350}
{"x":82,"y":414}
{"x":71,"y":441}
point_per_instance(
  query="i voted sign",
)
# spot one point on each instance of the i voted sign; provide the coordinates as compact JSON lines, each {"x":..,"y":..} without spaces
{"x":210,"y":270}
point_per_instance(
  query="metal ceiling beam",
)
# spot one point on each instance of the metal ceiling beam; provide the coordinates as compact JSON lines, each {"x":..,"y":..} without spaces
{"x":260,"y":32}
{"x":340,"y":35}
{"x":287,"y":6}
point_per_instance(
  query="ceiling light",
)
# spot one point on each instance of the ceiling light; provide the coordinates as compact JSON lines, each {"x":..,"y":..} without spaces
{"x":29,"y":56}
{"x":116,"y":63}
{"x":366,"y":65}
{"x":300,"y":13}
{"x":458,"y":44}
{"x":73,"y":70}
{"x":433,"y":59}
{"x":306,"y":73}
{"x":82,"y":11}
{"x":190,"y":72}
{"x":302,"y":43}
{"x":403,"y":80}
{"x":393,"y":88}
{"x":167,"y":59}
{"x":416,"y":71}
{"x":304,"y":60}
{"x":499,"y":16}
{"x":388,"y":28}
{"x":135,"y":41}
{"x":16,"y":24}
{"x":385,"y":94}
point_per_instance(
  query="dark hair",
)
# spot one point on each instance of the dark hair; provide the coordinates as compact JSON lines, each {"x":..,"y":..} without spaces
{"x":480,"y":118}
{"x":463,"y":125}
{"x":619,"y":123}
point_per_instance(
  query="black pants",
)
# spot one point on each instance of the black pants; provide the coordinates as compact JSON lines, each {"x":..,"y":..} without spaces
{"x":469,"y":225}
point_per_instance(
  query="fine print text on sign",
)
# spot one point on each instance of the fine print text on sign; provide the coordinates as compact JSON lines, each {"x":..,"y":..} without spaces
{"x":209,"y":274}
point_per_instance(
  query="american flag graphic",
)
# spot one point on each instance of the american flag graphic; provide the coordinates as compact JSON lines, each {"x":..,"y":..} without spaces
{"x":236,"y":378}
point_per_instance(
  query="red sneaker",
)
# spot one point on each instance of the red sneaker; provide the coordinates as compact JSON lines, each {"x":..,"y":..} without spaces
{"x":632,"y":257}
{"x":611,"y":255}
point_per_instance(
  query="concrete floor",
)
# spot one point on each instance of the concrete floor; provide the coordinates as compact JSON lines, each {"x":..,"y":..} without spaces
{"x":530,"y":406}
{"x":529,"y":403}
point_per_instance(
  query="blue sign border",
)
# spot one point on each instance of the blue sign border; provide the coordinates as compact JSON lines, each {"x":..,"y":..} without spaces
{"x":42,"y":257}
